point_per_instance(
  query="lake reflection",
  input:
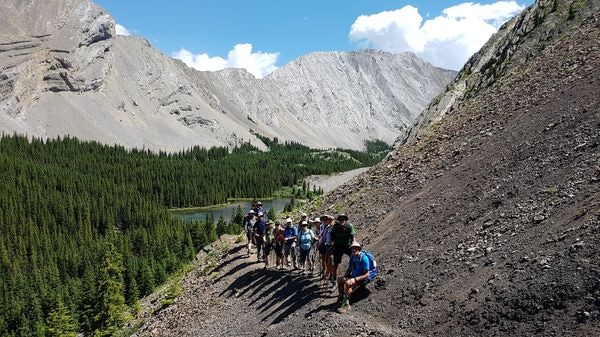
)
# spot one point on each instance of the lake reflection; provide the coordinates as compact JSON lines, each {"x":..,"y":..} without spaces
{"x":228,"y":211}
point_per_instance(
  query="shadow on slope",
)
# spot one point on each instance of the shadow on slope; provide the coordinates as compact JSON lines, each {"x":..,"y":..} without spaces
{"x":275,"y":294}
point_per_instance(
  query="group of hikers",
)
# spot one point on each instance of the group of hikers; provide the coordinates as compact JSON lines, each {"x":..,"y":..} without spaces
{"x":297,"y":248}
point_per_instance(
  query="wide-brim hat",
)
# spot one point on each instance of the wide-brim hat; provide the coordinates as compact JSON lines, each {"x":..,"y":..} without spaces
{"x":355,"y":245}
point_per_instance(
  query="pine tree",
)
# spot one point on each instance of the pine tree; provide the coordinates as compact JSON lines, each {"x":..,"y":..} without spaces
{"x":60,"y":323}
{"x":111,"y":310}
{"x":271,"y":213}
{"x":221,"y":227}
{"x":238,"y":217}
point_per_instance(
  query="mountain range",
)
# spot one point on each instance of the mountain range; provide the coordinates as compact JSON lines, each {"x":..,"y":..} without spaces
{"x":63,"y":70}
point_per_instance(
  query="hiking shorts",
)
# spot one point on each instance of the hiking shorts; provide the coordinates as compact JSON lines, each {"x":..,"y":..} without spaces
{"x":268,"y":247}
{"x":249,"y":236}
{"x":279,"y":249}
{"x":357,"y":284}
{"x":323,"y":248}
{"x":289,"y":249}
{"x":338,"y":251}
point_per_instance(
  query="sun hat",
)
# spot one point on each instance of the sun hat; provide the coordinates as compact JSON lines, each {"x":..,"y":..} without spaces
{"x":355,"y":245}
{"x":317,"y":220}
{"x":288,"y":220}
{"x":342,"y":217}
{"x":304,"y":223}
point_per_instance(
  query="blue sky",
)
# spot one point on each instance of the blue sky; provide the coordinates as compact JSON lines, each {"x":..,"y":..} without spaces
{"x":262,"y":35}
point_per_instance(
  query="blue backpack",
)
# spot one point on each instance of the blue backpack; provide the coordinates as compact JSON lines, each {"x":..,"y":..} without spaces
{"x":373,"y":270}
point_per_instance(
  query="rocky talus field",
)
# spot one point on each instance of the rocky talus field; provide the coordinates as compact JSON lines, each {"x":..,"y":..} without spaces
{"x":486,"y":223}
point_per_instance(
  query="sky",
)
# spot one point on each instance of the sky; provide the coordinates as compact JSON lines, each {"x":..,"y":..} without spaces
{"x":263,"y":35}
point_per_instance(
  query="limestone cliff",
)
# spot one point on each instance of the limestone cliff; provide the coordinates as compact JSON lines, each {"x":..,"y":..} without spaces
{"x":64,"y":71}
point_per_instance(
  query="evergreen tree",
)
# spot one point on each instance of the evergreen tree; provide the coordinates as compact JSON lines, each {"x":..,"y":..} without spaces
{"x":60,"y":322}
{"x":221,"y":227}
{"x":238,"y":217}
{"x":111,"y":311}
{"x":271,"y":213}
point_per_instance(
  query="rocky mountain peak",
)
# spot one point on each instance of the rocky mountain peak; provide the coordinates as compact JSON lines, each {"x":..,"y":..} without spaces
{"x":70,"y":51}
{"x":72,"y":75}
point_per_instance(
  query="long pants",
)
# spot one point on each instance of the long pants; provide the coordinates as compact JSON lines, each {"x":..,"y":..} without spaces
{"x":259,"y":244}
{"x":306,"y":256}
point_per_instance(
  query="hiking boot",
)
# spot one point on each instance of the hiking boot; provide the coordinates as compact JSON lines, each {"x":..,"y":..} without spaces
{"x":344,"y":308}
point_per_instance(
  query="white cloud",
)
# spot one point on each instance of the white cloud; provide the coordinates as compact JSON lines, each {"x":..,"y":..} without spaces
{"x":259,"y":64}
{"x":122,"y":30}
{"x":445,"y":41}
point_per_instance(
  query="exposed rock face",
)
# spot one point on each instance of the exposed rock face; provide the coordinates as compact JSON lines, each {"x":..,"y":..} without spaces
{"x":69,"y":74}
{"x":67,"y":52}
{"x":330,"y":99}
{"x":517,"y":42}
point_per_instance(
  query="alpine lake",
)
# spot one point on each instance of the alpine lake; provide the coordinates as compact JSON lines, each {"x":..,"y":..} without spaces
{"x":227,"y":210}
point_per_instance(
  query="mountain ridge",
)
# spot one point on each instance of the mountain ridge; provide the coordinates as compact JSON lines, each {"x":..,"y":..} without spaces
{"x":75,"y":76}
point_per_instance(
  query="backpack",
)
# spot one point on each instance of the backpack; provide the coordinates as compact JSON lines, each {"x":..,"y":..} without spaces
{"x":306,"y":239}
{"x":373,"y":270}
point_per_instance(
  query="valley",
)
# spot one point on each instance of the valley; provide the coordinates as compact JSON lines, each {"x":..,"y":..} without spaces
{"x":483,"y":216}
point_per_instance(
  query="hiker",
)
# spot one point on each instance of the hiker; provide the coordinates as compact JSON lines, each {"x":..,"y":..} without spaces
{"x":315,"y":249}
{"x":290,"y":234}
{"x":304,"y":217}
{"x":306,"y":237}
{"x":279,"y":242}
{"x":258,"y":208}
{"x":356,"y":276}
{"x":269,"y":241}
{"x":260,"y":228}
{"x":342,"y":236}
{"x":325,"y":249}
{"x":249,"y":227}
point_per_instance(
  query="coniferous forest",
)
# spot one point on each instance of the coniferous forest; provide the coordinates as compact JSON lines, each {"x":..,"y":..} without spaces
{"x":84,"y":227}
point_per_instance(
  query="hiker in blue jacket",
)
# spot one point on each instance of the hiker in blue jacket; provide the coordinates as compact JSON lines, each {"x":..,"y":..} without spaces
{"x":356,"y":276}
{"x":260,"y":229}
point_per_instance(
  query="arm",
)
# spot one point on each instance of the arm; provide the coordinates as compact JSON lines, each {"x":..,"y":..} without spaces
{"x":365,"y":269}
{"x":360,"y":277}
